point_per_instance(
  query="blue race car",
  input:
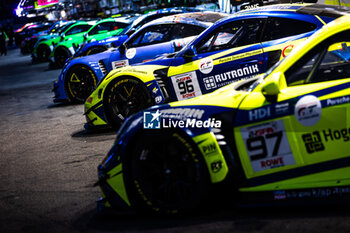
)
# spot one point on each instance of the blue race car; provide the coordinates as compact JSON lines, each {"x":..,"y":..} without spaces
{"x":237,"y":47}
{"x":137,"y":22}
{"x":166,"y":35}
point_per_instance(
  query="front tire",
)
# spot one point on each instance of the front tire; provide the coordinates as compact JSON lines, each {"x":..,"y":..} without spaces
{"x":124,"y":97}
{"x":61,"y":55}
{"x":166,"y":173}
{"x":80,"y":82}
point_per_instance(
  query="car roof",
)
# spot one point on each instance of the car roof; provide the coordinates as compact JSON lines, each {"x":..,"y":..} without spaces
{"x":307,"y":9}
{"x":203,"y":19}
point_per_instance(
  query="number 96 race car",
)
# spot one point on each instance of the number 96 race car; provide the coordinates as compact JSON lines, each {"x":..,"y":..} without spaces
{"x":283,"y":135}
{"x":234,"y":48}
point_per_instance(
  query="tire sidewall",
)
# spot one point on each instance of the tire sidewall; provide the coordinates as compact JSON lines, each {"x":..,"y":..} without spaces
{"x":115,"y":124}
{"x":67,"y":88}
{"x":140,"y":199}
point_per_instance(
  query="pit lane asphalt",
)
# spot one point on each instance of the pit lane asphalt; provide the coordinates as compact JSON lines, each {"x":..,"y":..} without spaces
{"x":48,"y":166}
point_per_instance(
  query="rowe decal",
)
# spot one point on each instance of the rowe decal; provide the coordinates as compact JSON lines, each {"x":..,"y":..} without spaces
{"x":223,"y":79}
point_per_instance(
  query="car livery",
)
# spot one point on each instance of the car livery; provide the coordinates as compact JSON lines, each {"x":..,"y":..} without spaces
{"x":138,"y":22}
{"x":43,"y":48}
{"x":165,"y":35}
{"x":282,"y":136}
{"x":238,"y":47}
{"x":28,"y":44}
{"x":102,"y":29}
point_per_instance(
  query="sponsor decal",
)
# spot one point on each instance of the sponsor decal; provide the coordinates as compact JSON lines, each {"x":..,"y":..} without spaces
{"x":316,"y":140}
{"x":209,"y":149}
{"x":313,"y":142}
{"x":121,"y":63}
{"x":155,"y":120}
{"x":186,"y":85}
{"x":287,"y":50}
{"x":281,"y":108}
{"x":267,"y":146}
{"x":308,"y":110}
{"x":209,"y":83}
{"x":259,"y":113}
{"x":158,"y":99}
{"x":340,"y":100}
{"x":216,"y":166}
{"x":223,"y":79}
{"x":180,"y":113}
{"x":130,"y":53}
{"x":251,"y":6}
{"x":279,"y":195}
{"x":240,"y":56}
{"x":312,"y":193}
{"x":206,"y":65}
{"x":155,"y":90}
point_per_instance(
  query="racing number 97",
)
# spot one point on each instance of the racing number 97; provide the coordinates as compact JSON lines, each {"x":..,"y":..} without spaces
{"x":258,"y":144}
{"x":185,"y":86}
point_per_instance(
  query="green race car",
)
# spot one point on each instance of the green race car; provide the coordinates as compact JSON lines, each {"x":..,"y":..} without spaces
{"x":44,"y":48}
{"x":101,"y":30}
{"x":282,"y":136}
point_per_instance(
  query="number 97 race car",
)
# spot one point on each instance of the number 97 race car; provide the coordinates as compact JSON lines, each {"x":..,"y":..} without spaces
{"x":283,"y":135}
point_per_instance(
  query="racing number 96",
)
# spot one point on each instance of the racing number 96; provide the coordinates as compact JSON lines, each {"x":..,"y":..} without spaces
{"x":185,"y":86}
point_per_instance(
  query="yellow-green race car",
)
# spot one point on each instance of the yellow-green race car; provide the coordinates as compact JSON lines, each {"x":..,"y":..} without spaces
{"x":234,"y":48}
{"x":282,"y":136}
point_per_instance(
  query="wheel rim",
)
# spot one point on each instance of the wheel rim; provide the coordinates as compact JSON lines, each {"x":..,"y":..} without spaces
{"x":81,"y":83}
{"x":126,"y":98}
{"x":166,"y":174}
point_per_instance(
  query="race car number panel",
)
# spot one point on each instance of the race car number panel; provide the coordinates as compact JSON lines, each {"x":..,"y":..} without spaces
{"x":186,"y":85}
{"x":267,"y":146}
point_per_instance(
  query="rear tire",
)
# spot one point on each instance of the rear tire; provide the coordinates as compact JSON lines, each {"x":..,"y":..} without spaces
{"x":166,"y":174}
{"x":124,"y":97}
{"x":80,"y":82}
{"x":61,"y":55}
{"x":43,"y":52}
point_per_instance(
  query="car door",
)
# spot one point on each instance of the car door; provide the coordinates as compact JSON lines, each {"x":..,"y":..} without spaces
{"x":302,"y":134}
{"x":229,"y":53}
{"x":281,"y":35}
{"x":154,"y":41}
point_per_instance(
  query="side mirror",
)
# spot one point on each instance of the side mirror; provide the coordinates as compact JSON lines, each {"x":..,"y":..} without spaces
{"x":122,"y":49}
{"x":274,"y":85}
{"x":190,"y":52}
{"x":62,"y":37}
